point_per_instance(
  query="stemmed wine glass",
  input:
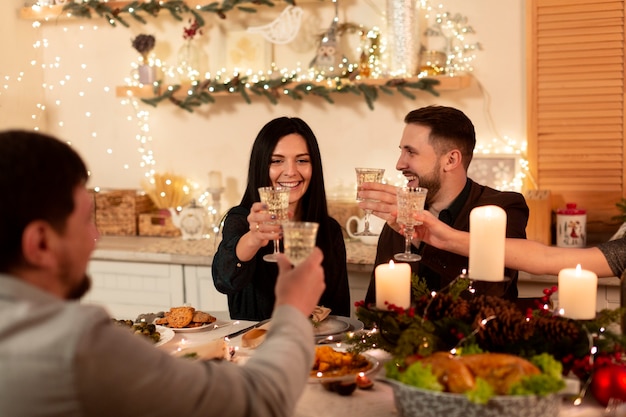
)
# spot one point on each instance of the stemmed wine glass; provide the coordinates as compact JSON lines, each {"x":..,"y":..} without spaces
{"x":277,"y":200}
{"x":299,"y":240}
{"x":367,"y":175}
{"x":410,"y":200}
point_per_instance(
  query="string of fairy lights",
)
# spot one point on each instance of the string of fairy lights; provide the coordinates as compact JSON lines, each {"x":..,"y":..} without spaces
{"x":453,"y":27}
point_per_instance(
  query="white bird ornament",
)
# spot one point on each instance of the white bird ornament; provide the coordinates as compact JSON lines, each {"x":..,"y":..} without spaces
{"x":283,"y":29}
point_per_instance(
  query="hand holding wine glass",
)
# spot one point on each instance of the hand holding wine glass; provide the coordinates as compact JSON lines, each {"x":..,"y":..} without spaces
{"x":367,"y":175}
{"x":410,"y":201}
{"x":277,"y":200}
{"x":299,"y":240}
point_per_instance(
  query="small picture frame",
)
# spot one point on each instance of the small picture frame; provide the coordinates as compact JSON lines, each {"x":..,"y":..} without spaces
{"x":495,"y":170}
{"x":247,"y":52}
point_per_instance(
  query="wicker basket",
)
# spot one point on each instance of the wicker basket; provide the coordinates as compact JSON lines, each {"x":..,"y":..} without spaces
{"x":157,"y":223}
{"x":117,"y":211}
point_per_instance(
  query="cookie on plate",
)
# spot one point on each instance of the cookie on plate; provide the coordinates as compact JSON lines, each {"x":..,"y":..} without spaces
{"x":179,"y":317}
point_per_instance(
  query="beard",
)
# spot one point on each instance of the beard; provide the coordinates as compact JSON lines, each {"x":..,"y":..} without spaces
{"x":78,"y":291}
{"x":432,"y":182}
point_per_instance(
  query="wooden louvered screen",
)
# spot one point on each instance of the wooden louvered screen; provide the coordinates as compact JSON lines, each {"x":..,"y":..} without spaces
{"x":575,"y":57}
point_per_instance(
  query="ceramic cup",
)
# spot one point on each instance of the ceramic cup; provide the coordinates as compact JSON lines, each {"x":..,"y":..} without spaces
{"x":376,"y":226}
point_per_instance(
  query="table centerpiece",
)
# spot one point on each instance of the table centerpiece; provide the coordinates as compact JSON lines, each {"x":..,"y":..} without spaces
{"x":457,"y":323}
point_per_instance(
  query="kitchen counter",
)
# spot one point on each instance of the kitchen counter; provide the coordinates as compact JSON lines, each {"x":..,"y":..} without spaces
{"x":198,"y":252}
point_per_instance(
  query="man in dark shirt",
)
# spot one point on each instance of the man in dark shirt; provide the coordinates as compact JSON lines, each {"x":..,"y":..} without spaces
{"x":436,"y":149}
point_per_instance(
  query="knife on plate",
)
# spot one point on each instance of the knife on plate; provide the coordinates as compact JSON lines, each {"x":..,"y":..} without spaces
{"x":245,"y":329}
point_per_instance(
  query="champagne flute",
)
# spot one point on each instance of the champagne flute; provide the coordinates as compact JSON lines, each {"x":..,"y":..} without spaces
{"x":410,"y":200}
{"x":299,"y":240}
{"x":277,"y":200}
{"x":367,"y":175}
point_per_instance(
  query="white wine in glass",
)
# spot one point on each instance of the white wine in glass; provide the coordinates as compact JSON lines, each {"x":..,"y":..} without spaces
{"x":410,"y":201}
{"x":277,"y":200}
{"x":299,"y":240}
{"x":367,"y":175}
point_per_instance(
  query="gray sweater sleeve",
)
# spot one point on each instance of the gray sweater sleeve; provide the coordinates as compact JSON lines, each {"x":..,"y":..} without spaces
{"x":615,"y":253}
{"x":120,"y":374}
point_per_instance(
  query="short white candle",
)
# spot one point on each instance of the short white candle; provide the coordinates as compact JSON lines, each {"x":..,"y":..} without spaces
{"x":577,"y":293}
{"x":487,"y":237}
{"x":393,"y":285}
{"x":215,"y":180}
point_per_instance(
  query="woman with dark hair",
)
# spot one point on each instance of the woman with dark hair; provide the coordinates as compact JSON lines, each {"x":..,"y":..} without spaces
{"x":285,"y":153}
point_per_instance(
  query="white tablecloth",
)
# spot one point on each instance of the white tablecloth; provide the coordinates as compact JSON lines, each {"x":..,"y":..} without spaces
{"x":375,"y":402}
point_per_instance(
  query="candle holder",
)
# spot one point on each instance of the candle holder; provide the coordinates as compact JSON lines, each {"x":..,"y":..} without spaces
{"x":215,"y":212}
{"x":216,"y":195}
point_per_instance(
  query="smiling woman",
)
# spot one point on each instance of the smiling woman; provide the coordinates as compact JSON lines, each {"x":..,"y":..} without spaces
{"x":284,"y":154}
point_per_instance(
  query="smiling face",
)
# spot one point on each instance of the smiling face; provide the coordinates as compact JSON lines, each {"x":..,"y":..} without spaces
{"x":419,"y":161}
{"x":291,"y":167}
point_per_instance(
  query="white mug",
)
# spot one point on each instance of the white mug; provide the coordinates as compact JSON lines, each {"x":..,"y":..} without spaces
{"x":376,"y":226}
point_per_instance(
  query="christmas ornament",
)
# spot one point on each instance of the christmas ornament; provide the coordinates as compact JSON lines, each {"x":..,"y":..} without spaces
{"x":328,"y":60}
{"x":283,"y":29}
{"x":609,"y":382}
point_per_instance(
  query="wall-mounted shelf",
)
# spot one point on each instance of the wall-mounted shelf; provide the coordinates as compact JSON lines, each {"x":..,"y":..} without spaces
{"x":146,"y":91}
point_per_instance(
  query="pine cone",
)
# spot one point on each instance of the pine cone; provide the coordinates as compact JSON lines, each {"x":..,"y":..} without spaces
{"x":502,"y":326}
{"x":442,"y":306}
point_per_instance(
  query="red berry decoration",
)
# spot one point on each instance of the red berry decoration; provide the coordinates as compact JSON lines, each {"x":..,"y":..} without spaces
{"x":608,"y":382}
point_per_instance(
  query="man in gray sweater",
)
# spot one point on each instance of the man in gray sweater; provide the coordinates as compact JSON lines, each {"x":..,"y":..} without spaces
{"x":59,"y":357}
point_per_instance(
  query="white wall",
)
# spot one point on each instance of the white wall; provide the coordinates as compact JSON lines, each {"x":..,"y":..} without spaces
{"x":92,"y":58}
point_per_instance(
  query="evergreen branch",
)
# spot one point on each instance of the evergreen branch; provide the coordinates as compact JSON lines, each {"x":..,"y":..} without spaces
{"x":152,"y":8}
{"x":273,"y":89}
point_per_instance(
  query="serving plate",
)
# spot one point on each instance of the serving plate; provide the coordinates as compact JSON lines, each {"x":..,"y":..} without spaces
{"x":166,"y":334}
{"x":417,"y":402}
{"x":348,"y":324}
{"x":208,"y":326}
{"x":373,"y":366}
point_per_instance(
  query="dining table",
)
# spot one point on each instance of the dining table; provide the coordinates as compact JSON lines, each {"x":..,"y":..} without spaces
{"x":317,"y":401}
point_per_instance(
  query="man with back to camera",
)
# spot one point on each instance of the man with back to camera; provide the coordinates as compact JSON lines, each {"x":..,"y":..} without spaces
{"x":436,"y":149}
{"x":62,"y":358}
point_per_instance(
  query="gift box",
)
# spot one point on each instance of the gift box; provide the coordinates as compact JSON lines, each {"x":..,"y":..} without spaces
{"x":117,"y":211}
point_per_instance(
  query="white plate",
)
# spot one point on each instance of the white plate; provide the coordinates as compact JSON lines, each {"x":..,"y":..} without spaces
{"x":209,"y":326}
{"x":331,"y":325}
{"x":353,"y":325}
{"x":166,"y":333}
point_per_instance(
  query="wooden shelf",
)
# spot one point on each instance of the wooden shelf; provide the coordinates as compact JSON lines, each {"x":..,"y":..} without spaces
{"x":147,"y":91}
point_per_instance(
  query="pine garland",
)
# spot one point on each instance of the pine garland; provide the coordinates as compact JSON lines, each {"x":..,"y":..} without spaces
{"x":445,"y":322}
{"x":202,"y":92}
{"x":176,"y":8}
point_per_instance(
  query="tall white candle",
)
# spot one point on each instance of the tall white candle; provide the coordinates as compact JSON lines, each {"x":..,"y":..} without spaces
{"x":487,"y":237}
{"x":393,"y":285}
{"x":577,"y":293}
{"x":215,"y":180}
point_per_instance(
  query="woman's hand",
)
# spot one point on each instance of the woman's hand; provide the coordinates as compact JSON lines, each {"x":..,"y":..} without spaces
{"x":262,"y":230}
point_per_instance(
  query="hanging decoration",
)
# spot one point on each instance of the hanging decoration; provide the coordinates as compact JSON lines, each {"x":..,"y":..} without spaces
{"x":283,"y":29}
{"x":402,"y":37}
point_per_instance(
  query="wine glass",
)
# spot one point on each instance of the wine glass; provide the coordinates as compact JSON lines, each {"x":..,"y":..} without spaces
{"x":367,"y":175}
{"x":299,"y":240}
{"x":277,"y":200}
{"x":410,"y":200}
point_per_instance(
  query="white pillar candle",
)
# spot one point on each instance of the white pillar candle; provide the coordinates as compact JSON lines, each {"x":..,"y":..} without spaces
{"x":393,"y":285}
{"x":577,"y":293}
{"x":487,"y":237}
{"x":215,"y":180}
